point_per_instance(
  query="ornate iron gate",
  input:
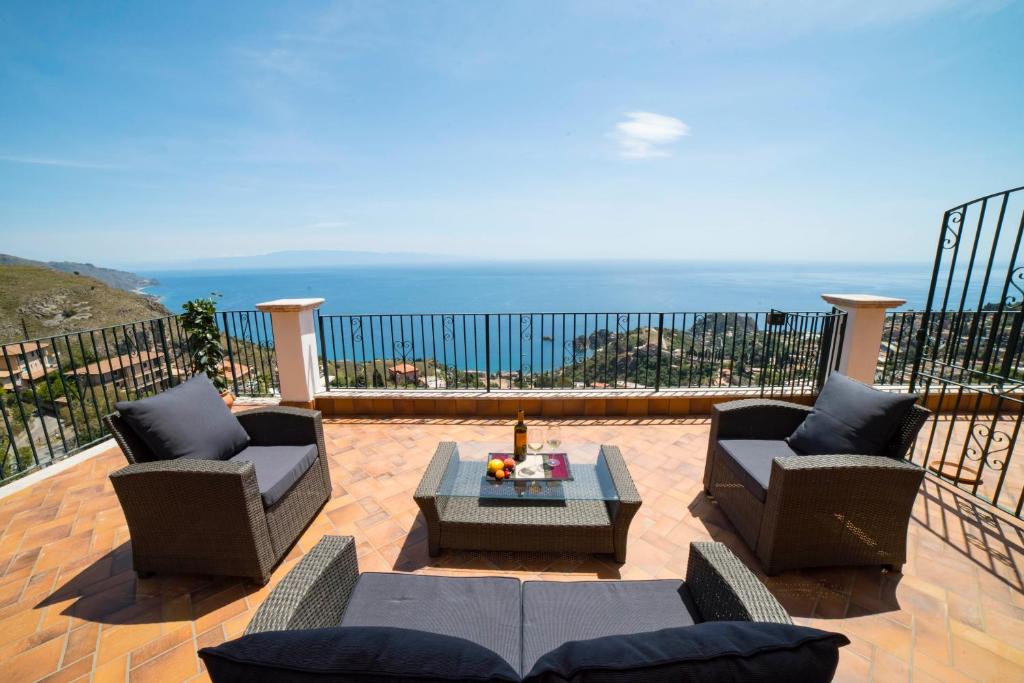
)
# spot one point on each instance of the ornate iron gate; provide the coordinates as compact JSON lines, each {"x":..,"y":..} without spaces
{"x":968,"y":357}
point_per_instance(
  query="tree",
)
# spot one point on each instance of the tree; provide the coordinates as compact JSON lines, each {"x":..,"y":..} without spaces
{"x":200,"y":324}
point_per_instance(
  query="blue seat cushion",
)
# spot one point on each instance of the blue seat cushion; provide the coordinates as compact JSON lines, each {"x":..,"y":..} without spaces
{"x":189,"y":420}
{"x":720,"y":651}
{"x":750,"y":460}
{"x":850,"y":417}
{"x":483,"y":610}
{"x":360,"y":654}
{"x":277,"y":467}
{"x":558,"y":612}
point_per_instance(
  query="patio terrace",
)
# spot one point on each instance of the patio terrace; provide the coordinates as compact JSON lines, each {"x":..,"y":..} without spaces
{"x":71,"y":608}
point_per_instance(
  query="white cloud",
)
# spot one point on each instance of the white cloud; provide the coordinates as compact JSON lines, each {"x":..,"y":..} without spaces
{"x":644,"y":135}
{"x":326,"y":225}
{"x":64,"y":163}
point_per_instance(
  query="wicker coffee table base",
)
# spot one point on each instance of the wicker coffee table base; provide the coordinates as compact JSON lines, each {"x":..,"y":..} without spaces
{"x":577,"y":526}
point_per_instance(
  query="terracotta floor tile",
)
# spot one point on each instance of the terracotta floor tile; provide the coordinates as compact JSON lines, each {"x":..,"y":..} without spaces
{"x":35,"y":663}
{"x":178,"y":664}
{"x":82,"y":642}
{"x":71,"y":672}
{"x":158,"y":646}
{"x":69,"y":598}
{"x":886,"y":667}
{"x":116,"y":641}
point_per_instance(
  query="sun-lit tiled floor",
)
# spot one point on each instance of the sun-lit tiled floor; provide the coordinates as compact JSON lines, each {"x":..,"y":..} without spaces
{"x":71,"y":608}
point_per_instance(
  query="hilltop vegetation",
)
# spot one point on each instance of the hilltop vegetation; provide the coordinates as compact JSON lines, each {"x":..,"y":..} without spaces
{"x":119,"y":279}
{"x":38,"y":301}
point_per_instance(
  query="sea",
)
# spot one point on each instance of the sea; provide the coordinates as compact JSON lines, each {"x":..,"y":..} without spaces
{"x":541,"y":287}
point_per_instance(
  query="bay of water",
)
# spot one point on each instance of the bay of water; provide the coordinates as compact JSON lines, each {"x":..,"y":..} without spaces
{"x":598,"y":286}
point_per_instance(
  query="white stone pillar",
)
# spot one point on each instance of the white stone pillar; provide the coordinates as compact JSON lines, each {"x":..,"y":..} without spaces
{"x":295,"y":333}
{"x":865,"y":317}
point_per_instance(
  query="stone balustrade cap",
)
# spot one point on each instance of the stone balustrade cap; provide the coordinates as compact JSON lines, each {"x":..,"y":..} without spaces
{"x":289,"y":305}
{"x":862,"y":301}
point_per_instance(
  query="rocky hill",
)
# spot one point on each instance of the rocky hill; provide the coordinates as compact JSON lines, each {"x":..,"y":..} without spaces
{"x":42,"y":301}
{"x":119,"y":279}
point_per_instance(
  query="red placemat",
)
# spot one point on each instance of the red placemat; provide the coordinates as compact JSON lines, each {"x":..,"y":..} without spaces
{"x":534,"y":461}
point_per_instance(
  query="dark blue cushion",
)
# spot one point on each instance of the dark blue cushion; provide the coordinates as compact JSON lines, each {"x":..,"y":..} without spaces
{"x":486,"y":610}
{"x":367,"y":654}
{"x":720,"y":651}
{"x":557,"y":612}
{"x":277,"y":467}
{"x":850,"y":417}
{"x":750,"y":460}
{"x":189,"y":420}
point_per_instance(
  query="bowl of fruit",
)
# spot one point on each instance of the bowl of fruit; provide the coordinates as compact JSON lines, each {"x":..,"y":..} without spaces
{"x":499,"y":469}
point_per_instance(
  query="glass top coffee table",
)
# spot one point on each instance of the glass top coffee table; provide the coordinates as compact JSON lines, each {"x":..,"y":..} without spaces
{"x":589,"y":513}
{"x":466,"y":477}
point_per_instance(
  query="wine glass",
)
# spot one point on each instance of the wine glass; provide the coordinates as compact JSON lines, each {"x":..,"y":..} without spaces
{"x":554,"y":440}
{"x":535,"y":440}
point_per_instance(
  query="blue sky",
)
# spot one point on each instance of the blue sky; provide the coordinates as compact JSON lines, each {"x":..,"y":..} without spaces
{"x":145,"y":133}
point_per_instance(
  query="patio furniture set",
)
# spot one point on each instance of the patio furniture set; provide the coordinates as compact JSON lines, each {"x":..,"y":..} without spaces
{"x":208,"y":491}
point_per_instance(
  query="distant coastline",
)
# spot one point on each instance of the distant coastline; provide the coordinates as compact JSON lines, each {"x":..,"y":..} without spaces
{"x":577,"y":286}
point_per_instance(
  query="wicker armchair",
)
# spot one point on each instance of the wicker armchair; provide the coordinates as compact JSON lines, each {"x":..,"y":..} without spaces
{"x":208,"y":516}
{"x":818,"y":510}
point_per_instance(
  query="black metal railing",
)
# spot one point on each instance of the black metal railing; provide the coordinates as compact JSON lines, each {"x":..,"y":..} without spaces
{"x":250,"y":363}
{"x":950,"y":334}
{"x":772,"y":352}
{"x":968,"y":352}
{"x":56,"y":389}
{"x":899,"y":343}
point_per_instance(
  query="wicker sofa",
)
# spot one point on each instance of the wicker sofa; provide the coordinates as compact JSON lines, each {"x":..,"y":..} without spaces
{"x":210,"y":516}
{"x":816,"y":510}
{"x":326,"y":621}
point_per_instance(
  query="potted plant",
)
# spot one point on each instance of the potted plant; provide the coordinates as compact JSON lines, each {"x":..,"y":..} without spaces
{"x":200,"y":325}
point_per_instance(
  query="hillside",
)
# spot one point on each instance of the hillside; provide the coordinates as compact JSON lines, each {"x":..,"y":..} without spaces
{"x":49,"y":302}
{"x":118,"y":279}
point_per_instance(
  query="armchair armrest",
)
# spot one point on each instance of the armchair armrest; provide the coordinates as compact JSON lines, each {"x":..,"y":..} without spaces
{"x":283,"y":426}
{"x":315,"y":593}
{"x":845,"y":467}
{"x":844,"y":483}
{"x":824,"y":510}
{"x":181,"y":472}
{"x":188,"y":515}
{"x":756,"y":419}
{"x":725,"y":590}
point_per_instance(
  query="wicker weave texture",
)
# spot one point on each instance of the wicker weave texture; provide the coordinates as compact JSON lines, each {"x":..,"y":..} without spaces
{"x":821,"y":510}
{"x":207,"y":517}
{"x":315,"y":592}
{"x":725,"y":590}
{"x":584,"y":526}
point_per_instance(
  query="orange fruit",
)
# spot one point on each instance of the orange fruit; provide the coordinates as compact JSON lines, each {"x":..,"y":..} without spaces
{"x":499,"y":474}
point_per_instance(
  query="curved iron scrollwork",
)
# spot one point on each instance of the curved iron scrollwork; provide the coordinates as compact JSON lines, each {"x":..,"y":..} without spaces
{"x":357,"y":329}
{"x":988,"y":444}
{"x":526,"y":327}
{"x":525,"y":337}
{"x":448,"y":327}
{"x":622,"y":323}
{"x":952,"y":228}
{"x":1016,"y":280}
{"x":404,"y":348}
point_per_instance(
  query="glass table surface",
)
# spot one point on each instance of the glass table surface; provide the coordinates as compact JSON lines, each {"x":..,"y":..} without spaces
{"x":466,"y":477}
